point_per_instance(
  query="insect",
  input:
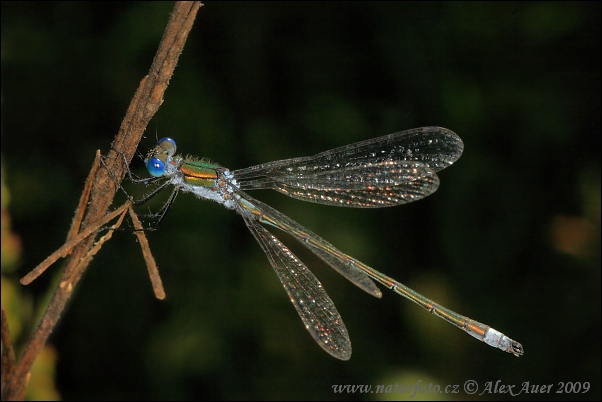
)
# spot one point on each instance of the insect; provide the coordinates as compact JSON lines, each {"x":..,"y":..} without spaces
{"x":382,"y":172}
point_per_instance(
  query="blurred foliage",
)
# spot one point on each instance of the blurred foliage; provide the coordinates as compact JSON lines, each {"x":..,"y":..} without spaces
{"x":511,"y":238}
{"x":17,"y":306}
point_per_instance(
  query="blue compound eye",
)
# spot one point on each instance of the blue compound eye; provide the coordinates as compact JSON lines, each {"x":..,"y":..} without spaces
{"x":155,"y":167}
{"x":168,"y":145}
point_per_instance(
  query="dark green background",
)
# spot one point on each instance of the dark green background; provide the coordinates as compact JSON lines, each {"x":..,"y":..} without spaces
{"x":519,"y":82}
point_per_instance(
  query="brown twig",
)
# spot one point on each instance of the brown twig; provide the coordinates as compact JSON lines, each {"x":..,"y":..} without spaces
{"x":68,"y":283}
{"x":144,"y":105}
{"x":68,"y":247}
{"x":153,"y":272}
{"x":9,"y":360}
{"x":81,"y":207}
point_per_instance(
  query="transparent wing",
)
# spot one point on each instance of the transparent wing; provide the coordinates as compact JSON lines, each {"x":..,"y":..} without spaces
{"x":316,"y":309}
{"x":382,"y":184}
{"x":339,"y":261}
{"x":384,"y":171}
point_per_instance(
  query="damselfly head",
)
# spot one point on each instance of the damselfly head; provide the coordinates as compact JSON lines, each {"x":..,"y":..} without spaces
{"x":156,"y":158}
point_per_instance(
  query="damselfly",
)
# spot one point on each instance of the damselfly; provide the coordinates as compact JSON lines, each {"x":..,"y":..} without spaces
{"x":385,"y":171}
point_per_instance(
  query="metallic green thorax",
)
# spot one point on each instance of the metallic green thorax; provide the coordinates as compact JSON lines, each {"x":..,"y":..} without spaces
{"x":199,"y":173}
